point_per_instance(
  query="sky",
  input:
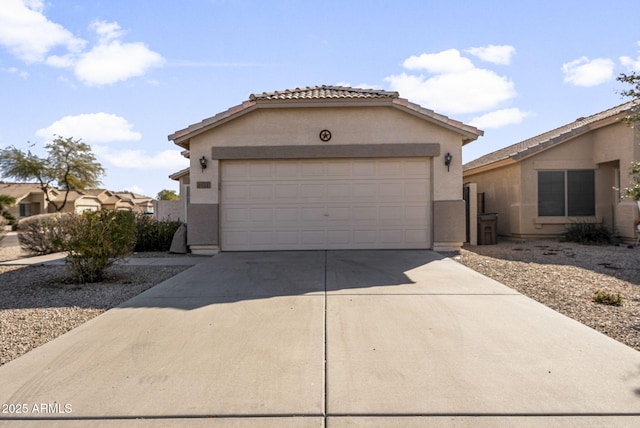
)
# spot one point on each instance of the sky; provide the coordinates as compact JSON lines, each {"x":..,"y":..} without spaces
{"x":122,"y":75}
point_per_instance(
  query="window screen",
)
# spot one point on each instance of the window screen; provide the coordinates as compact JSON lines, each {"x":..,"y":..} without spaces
{"x":581,"y":193}
{"x":551,"y":193}
{"x":566,"y":193}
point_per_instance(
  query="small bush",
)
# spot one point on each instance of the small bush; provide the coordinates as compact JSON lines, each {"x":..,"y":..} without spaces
{"x":154,"y":235}
{"x":44,"y":233}
{"x":3,"y":232}
{"x":607,"y":298}
{"x":96,"y":241}
{"x":588,"y":233}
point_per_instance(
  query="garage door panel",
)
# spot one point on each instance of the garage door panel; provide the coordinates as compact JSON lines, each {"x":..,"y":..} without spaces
{"x":312,"y":192}
{"x":338,"y":191}
{"x":325,"y":204}
{"x":390,"y":168}
{"x":366,"y":191}
{"x":287,"y":214}
{"x":286,"y":192}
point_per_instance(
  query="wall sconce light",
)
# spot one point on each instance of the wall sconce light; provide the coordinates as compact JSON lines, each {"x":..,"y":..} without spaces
{"x":203,"y":163}
{"x":447,"y":160}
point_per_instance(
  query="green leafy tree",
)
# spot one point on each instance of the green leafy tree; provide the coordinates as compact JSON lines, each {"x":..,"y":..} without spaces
{"x":632,"y":119}
{"x":633,"y":92}
{"x":70,"y":165}
{"x":6,"y":202}
{"x":167,"y":195}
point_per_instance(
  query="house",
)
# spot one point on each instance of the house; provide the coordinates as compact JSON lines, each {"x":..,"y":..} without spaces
{"x":141,"y":203}
{"x":325,"y":167}
{"x":77,"y":202}
{"x":176,"y":210}
{"x":30,"y":199}
{"x":110,"y":201}
{"x":542,"y":185}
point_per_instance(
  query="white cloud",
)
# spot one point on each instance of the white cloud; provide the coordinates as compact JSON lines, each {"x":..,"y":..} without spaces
{"x":29,"y":35}
{"x":499,"y":118}
{"x":17,"y":71}
{"x":92,"y":128}
{"x":448,"y":61}
{"x":586,"y":72}
{"x":457,"y":85}
{"x":630,"y":63}
{"x":106,"y":31}
{"x":141,"y":160}
{"x":495,"y":54}
{"x":115,"y":61}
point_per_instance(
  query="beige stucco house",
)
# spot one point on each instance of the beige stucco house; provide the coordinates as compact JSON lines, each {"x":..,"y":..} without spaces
{"x":30,"y":199}
{"x":541,"y":185}
{"x":110,"y":201}
{"x":324,"y":167}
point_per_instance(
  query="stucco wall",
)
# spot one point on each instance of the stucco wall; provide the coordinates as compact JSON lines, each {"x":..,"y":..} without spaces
{"x":356,"y":125}
{"x":501,"y":188}
{"x":512,"y":190}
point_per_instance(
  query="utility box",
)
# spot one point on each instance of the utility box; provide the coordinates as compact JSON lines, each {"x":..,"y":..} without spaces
{"x":487,"y":228}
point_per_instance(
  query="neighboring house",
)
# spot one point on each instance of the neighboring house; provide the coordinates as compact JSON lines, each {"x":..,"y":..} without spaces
{"x":77,"y":202}
{"x":30,"y":199}
{"x":142,"y":204}
{"x":542,"y":185}
{"x":176,"y":210}
{"x":324,"y":167}
{"x":110,"y":201}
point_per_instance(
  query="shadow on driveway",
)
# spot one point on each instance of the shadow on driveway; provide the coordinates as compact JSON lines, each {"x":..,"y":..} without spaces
{"x":231,"y":277}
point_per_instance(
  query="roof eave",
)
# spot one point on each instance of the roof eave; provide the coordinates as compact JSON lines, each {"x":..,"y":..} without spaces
{"x":488,"y":167}
{"x":469,"y":133}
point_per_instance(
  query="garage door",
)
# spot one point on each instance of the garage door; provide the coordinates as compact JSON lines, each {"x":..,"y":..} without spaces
{"x":325,"y":204}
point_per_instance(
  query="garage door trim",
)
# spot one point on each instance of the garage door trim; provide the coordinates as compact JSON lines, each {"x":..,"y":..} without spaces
{"x":399,"y":150}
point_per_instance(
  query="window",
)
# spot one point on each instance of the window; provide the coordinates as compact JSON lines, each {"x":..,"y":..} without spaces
{"x":566,"y":193}
{"x":25,"y":210}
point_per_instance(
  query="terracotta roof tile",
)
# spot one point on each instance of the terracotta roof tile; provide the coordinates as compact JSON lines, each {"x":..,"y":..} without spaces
{"x":323,"y":92}
{"x":549,"y":138}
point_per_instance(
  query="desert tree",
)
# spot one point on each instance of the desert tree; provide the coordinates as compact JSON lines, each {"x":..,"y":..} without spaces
{"x":69,"y":165}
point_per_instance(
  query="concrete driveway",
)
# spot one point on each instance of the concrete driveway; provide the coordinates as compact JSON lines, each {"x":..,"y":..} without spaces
{"x":326,"y":338}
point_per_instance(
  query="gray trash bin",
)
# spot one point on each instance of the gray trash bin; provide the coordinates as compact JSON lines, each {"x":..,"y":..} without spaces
{"x":487,"y":228}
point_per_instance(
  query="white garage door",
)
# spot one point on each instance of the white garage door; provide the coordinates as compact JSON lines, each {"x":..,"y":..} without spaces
{"x":325,"y":204}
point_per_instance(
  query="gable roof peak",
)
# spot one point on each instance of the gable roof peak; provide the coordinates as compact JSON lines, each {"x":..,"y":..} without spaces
{"x":323,"y":92}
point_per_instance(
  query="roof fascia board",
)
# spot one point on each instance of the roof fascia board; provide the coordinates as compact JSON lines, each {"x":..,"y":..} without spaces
{"x":469,"y":136}
{"x":484,"y":168}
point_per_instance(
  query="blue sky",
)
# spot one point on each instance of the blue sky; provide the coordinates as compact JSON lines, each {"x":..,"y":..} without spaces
{"x":124,"y":74}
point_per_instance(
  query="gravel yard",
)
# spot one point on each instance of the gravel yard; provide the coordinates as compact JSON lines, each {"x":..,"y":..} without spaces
{"x":38,"y":303}
{"x":564,"y":276}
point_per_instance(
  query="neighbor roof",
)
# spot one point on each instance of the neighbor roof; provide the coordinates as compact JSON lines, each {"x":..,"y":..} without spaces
{"x":550,"y":138}
{"x":21,"y":190}
{"x":323,"y":94}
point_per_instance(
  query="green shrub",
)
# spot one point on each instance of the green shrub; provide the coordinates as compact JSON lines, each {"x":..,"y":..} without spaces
{"x":588,"y":233}
{"x":3,"y":232}
{"x":96,"y":241}
{"x":154,"y":235}
{"x":44,"y":233}
{"x":607,"y":298}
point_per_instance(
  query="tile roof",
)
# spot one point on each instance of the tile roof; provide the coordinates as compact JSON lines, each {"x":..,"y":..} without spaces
{"x":19,"y":190}
{"x":319,"y":94}
{"x":323,"y":92}
{"x":549,"y":138}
